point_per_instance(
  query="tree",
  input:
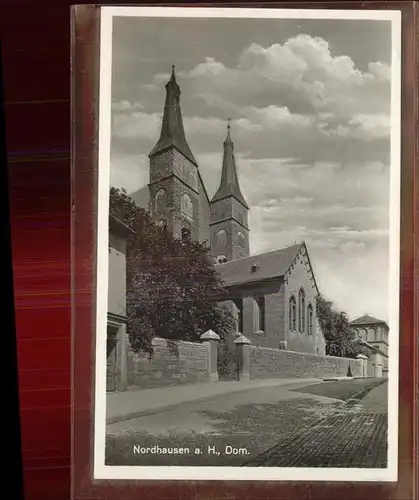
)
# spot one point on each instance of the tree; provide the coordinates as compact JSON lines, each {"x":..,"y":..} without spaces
{"x":338,"y":333}
{"x":173,"y":289}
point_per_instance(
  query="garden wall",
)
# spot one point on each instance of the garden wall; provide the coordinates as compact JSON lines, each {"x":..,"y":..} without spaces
{"x":275,"y":363}
{"x":164,"y":368}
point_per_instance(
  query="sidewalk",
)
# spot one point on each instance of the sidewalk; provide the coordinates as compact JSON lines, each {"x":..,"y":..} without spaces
{"x":376,"y":401}
{"x":132,"y":404}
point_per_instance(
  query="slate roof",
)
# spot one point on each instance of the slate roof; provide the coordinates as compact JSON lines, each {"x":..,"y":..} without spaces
{"x":272,"y":264}
{"x":367,"y":320}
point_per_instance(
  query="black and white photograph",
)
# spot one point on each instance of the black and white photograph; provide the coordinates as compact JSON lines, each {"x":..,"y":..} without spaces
{"x":248,"y":244}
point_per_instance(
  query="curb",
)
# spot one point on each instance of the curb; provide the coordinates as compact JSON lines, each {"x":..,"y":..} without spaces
{"x":362,"y":393}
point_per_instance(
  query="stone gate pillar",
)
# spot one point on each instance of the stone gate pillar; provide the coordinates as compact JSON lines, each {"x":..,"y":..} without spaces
{"x":243,"y":357}
{"x":211,"y":339}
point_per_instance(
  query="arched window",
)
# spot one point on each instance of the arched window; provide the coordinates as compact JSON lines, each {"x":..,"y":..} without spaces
{"x":186,"y":234}
{"x":301,"y":311}
{"x":259,"y":314}
{"x":310,"y":319}
{"x":240,"y":237}
{"x":221,"y":259}
{"x":186,"y":206}
{"x":161,"y":200}
{"x":221,"y":238}
{"x":293,"y":313}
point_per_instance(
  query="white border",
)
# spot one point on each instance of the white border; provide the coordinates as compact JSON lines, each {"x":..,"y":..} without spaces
{"x":100,"y":470}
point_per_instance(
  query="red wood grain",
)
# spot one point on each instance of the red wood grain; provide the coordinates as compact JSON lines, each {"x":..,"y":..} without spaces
{"x":36,"y":41}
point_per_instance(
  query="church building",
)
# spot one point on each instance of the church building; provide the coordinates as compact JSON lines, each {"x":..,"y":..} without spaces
{"x":374,"y":332}
{"x":271,"y":295}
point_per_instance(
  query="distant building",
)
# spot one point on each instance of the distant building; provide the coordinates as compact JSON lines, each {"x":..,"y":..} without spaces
{"x":374,"y":332}
{"x":272,"y":295}
{"x":117,"y":341}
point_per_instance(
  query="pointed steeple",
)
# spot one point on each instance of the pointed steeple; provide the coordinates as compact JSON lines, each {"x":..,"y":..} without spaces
{"x":229,"y":185}
{"x":172,"y":131}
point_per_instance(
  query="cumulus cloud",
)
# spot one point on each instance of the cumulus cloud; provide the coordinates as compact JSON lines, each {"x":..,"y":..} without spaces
{"x":128,"y":171}
{"x":302,"y":71}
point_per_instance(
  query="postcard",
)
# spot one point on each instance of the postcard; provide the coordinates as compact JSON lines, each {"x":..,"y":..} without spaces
{"x":248,"y":244}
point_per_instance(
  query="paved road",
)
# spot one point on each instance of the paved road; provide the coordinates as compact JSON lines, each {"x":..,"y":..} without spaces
{"x":355,"y":437}
{"x":253,"y":421}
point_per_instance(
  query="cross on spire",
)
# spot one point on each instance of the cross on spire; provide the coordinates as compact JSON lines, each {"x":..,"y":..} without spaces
{"x":228,"y":127}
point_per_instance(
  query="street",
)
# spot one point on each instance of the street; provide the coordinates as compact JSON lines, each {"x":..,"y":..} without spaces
{"x":335,"y":424}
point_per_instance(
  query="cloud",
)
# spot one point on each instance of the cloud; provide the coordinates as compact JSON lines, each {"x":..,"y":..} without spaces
{"x":136,"y":125}
{"x":121,"y":106}
{"x":129,"y":171}
{"x":302,"y":71}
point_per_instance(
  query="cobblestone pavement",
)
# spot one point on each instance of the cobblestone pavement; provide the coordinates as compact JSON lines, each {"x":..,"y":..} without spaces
{"x":355,"y":436}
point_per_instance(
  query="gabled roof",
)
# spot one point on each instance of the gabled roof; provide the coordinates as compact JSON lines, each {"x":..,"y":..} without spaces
{"x":270,"y":265}
{"x":367,"y":320}
{"x":229,"y":185}
{"x":172,"y":131}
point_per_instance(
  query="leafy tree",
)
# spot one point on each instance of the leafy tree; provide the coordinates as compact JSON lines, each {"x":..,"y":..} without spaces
{"x":173,"y":290}
{"x":338,"y":333}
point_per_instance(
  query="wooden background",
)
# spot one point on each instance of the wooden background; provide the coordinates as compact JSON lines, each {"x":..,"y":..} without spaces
{"x":36,"y":48}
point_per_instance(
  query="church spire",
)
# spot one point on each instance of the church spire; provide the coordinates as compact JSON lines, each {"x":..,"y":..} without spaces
{"x":229,"y":185}
{"x":172,"y":131}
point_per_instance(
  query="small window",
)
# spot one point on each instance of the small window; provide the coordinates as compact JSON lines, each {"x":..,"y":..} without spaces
{"x":221,"y":238}
{"x":293,"y":313}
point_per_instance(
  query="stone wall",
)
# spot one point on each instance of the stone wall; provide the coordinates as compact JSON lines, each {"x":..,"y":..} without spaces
{"x":275,"y":363}
{"x":165,"y":368}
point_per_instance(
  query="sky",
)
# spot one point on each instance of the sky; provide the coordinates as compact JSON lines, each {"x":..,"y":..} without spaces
{"x":310,"y":108}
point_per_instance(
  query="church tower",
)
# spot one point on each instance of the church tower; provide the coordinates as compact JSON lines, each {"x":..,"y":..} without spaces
{"x":175,"y":183}
{"x":229,"y":212}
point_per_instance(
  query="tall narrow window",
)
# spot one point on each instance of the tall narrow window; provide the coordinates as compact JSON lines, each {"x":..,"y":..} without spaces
{"x":293,"y":313}
{"x":239,"y":314}
{"x":186,"y":206}
{"x":301,"y":311}
{"x":259,"y":316}
{"x":310,"y":319}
